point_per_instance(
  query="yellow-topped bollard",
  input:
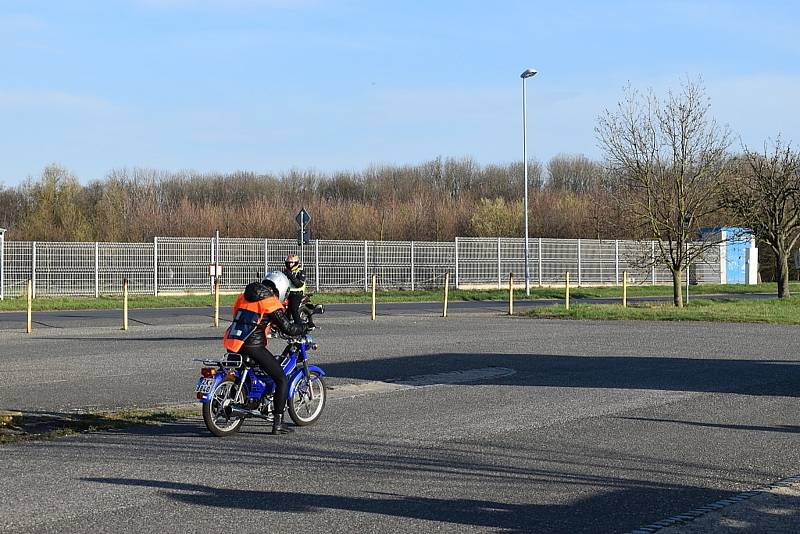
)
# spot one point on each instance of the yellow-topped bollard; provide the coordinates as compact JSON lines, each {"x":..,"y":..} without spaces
{"x":511,"y":293}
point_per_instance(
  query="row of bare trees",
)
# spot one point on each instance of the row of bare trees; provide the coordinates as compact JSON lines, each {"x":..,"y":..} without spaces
{"x":675,"y":175}
{"x":436,"y":200}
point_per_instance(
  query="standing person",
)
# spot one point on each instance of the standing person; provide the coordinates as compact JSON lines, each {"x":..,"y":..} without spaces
{"x":255,"y":312}
{"x":297,"y":288}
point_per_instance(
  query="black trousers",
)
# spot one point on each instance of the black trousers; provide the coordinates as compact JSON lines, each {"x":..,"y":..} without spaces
{"x":294,"y":305}
{"x":268,"y":363}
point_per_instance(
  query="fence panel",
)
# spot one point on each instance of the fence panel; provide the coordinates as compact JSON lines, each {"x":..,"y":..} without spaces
{"x":432,"y":260}
{"x":558,"y":257}
{"x":242,"y":262}
{"x":118,"y":261}
{"x":17,"y":267}
{"x":183,"y":263}
{"x":65,"y":269}
{"x":341,"y":265}
{"x":598,"y":262}
{"x":390,"y":261}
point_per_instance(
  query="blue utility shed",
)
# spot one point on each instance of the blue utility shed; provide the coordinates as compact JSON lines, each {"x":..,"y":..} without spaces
{"x":738,"y":253}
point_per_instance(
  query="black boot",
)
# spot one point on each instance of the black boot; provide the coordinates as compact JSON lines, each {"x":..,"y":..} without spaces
{"x":279,"y":427}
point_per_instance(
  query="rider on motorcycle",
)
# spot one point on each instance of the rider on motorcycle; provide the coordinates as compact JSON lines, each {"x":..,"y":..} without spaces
{"x":297,"y":278}
{"x":255,"y":312}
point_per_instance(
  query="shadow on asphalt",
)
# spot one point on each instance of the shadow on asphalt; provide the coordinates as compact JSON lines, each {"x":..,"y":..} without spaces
{"x":790,"y":429}
{"x":745,"y":377}
{"x":633,"y":505}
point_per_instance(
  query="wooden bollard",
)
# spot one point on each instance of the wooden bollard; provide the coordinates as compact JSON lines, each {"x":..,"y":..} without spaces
{"x":446,"y":288}
{"x":29,"y":324}
{"x":566,"y":290}
{"x":511,"y":293}
{"x":125,"y":304}
{"x":624,"y":289}
{"x":216,"y":301}
{"x":374,"y":284}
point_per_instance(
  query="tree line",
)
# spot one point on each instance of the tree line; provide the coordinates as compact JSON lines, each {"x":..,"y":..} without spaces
{"x":435,"y":200}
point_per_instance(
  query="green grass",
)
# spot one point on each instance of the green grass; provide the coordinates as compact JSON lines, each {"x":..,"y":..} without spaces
{"x":778,"y":311}
{"x":200,"y":300}
{"x":43,"y":426}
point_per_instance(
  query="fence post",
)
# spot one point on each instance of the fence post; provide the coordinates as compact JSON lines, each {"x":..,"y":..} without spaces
{"x":96,"y":269}
{"x":266,"y":257}
{"x":366,"y":269}
{"x":540,"y":262}
{"x":456,"y":247}
{"x":511,"y":293}
{"x":2,"y":264}
{"x":653,"y":259}
{"x":33,"y":270}
{"x":579,"y":263}
{"x":213,"y":258}
{"x":616,"y":261}
{"x":155,"y":266}
{"x":412,"y":266}
{"x":499,"y":276}
{"x":446,"y":287}
{"x":566,"y":290}
{"x":316,"y":265}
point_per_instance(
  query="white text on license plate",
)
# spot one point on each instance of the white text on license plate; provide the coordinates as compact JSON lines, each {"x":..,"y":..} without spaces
{"x":205,"y":385}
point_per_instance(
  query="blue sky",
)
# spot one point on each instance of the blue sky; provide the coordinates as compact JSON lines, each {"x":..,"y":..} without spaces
{"x":270,"y":85}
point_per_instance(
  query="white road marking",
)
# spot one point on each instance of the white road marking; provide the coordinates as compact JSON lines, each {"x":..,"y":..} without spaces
{"x":415,"y":382}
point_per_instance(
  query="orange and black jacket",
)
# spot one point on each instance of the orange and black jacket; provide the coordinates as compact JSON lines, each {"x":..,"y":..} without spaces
{"x":254,"y":313}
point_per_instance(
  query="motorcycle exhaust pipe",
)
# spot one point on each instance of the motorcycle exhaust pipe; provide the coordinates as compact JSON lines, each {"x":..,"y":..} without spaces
{"x":244,"y":412}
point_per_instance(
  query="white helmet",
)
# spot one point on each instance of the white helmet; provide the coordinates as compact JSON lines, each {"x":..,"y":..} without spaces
{"x":279,"y":282}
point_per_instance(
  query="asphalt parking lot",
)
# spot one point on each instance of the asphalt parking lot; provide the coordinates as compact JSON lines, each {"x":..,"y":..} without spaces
{"x":557,"y":426}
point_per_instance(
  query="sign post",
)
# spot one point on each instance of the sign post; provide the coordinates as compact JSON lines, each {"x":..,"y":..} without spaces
{"x":303,"y":218}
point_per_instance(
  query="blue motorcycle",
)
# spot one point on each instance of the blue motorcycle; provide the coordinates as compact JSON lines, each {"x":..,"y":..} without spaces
{"x":235,"y":388}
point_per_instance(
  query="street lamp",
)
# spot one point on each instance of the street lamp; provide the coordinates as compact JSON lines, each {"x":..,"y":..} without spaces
{"x":529,"y":73}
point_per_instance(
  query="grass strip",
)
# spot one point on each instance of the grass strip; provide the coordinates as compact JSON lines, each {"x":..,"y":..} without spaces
{"x":206,"y":300}
{"x":37,"y":426}
{"x":774,"y":311}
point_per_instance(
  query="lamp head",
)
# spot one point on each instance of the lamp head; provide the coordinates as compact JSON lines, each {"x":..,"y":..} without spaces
{"x":528,"y":73}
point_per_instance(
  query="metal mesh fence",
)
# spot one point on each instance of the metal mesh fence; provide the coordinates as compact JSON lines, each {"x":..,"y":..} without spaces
{"x":180,"y":265}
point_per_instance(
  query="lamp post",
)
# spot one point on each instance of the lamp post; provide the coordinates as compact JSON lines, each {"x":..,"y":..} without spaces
{"x":529,"y":73}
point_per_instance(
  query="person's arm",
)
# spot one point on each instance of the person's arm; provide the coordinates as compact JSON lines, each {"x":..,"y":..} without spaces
{"x":281,"y":322}
{"x":297,"y":278}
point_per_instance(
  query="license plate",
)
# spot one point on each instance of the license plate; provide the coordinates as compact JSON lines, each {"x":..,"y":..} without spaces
{"x":205,"y":385}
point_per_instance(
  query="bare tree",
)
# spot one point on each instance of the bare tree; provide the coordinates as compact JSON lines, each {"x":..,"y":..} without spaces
{"x":575,"y":173}
{"x":765,"y":194}
{"x":670,"y":158}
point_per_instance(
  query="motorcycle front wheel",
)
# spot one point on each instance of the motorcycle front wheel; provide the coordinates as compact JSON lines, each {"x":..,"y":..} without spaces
{"x":216,"y":412}
{"x":308,"y":401}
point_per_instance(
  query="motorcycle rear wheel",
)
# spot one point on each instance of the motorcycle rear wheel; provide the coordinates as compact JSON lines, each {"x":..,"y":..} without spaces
{"x":308,"y":401}
{"x":217,"y":419}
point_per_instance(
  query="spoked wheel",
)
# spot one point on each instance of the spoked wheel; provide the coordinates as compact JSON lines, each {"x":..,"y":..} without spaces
{"x":217,"y":413}
{"x":308,"y":401}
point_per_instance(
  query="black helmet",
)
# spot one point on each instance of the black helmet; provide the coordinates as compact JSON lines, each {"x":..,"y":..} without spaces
{"x":256,"y":291}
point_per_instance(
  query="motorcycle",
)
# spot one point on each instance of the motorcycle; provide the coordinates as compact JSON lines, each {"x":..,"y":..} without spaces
{"x":307,"y":308}
{"x":235,"y":388}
